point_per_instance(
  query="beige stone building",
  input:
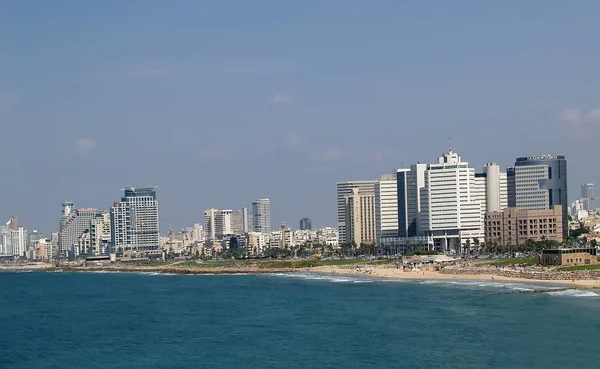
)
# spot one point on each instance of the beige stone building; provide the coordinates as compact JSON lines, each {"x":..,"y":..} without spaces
{"x":514,"y":226}
{"x":570,"y":257}
{"x":360,"y":217}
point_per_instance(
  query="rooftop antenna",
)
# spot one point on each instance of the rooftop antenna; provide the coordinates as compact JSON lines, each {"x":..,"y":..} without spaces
{"x":449,"y":144}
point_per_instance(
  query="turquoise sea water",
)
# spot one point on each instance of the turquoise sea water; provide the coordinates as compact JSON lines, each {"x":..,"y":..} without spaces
{"x":122,"y":320}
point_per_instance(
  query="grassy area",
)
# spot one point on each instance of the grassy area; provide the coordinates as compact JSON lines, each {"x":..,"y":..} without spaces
{"x":579,"y":267}
{"x":528,"y":261}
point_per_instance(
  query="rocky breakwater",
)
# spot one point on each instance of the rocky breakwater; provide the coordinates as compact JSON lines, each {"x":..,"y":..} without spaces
{"x":550,"y":275}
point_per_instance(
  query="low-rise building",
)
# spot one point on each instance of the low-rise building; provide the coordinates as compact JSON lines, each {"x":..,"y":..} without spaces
{"x":570,"y":257}
{"x":514,"y":226}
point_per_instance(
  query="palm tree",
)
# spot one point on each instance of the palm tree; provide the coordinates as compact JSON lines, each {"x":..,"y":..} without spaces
{"x":467,"y":247}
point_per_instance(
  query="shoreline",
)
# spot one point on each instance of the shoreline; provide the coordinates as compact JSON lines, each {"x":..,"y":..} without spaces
{"x":358,"y":270}
{"x":424,"y":275}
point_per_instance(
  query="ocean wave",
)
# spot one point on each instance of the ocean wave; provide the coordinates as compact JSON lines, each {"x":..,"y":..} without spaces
{"x":574,"y":293}
{"x":491,"y":285}
{"x":322,"y":277}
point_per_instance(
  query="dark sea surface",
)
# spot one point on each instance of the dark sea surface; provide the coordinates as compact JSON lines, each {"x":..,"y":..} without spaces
{"x":128,"y":320}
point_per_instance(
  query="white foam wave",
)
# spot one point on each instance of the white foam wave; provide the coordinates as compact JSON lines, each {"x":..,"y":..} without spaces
{"x":322,"y":277}
{"x":574,"y":293}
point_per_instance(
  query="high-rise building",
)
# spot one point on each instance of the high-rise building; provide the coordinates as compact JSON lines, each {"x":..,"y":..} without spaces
{"x":13,"y":238}
{"x":239,"y":221}
{"x":261,"y":216}
{"x":360,"y":217}
{"x":73,"y":222}
{"x":305,"y":224}
{"x":218,"y":223}
{"x":451,"y":210}
{"x":540,"y":182}
{"x":346,"y":188}
{"x":134,"y":221}
{"x":588,"y":196}
{"x":386,"y":207}
{"x":410,"y":183}
{"x":100,"y":238}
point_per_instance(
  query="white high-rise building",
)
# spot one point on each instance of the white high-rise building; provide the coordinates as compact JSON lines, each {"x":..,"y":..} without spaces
{"x":344,"y":189}
{"x":451,"y":203}
{"x":134,"y":221}
{"x":217,"y":223}
{"x":386,"y":207}
{"x":261,"y":216}
{"x":197,"y":233}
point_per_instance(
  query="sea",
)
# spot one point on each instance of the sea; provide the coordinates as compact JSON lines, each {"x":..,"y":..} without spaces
{"x":149,"y":320}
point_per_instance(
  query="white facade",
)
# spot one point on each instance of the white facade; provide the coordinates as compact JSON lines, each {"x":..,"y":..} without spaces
{"x":386,"y":207}
{"x":451,"y":203}
{"x":134,"y":221}
{"x":257,"y":242}
{"x":261,"y":216}
{"x":328,"y":236}
{"x":217,"y":223}
{"x":197,"y":233}
{"x":343,"y":189}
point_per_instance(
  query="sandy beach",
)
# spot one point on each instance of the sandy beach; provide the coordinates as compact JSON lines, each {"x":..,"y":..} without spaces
{"x":393,"y":273}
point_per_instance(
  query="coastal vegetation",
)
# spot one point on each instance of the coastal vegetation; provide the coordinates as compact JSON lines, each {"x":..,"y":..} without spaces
{"x":579,"y":267}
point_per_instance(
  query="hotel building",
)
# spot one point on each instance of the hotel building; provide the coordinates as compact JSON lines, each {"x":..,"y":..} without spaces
{"x":360,"y":217}
{"x":134,"y":221}
{"x":344,"y":189}
{"x":539,"y":183}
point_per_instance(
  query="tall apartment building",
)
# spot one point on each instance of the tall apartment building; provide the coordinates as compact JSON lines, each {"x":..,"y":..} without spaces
{"x":410,"y":183}
{"x":218,"y":223}
{"x":346,"y":188}
{"x":360,"y":217}
{"x":240,"y":221}
{"x":100,"y":234}
{"x":514,"y":226}
{"x":588,"y":196}
{"x":539,"y":183}
{"x":305,"y":224}
{"x":13,"y":239}
{"x":386,"y":207}
{"x":451,"y":208}
{"x":73,"y":222}
{"x":134,"y":221}
{"x":261,"y":216}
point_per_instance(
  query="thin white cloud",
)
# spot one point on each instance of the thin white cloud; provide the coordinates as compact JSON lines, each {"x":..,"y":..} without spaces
{"x":85,"y":145}
{"x":580,"y":125}
{"x":281,"y":98}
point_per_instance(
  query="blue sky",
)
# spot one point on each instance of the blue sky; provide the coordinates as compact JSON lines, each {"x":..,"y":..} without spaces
{"x":221,"y":102}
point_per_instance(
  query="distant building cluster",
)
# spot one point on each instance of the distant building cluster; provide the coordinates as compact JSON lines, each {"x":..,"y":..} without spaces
{"x":449,"y":207}
{"x":247,"y":229}
{"x":445,"y":206}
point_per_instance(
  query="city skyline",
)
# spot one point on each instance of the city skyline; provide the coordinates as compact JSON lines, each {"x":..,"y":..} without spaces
{"x":350,"y":98}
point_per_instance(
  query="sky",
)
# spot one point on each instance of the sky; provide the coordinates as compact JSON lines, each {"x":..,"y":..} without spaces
{"x":221,"y":102}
